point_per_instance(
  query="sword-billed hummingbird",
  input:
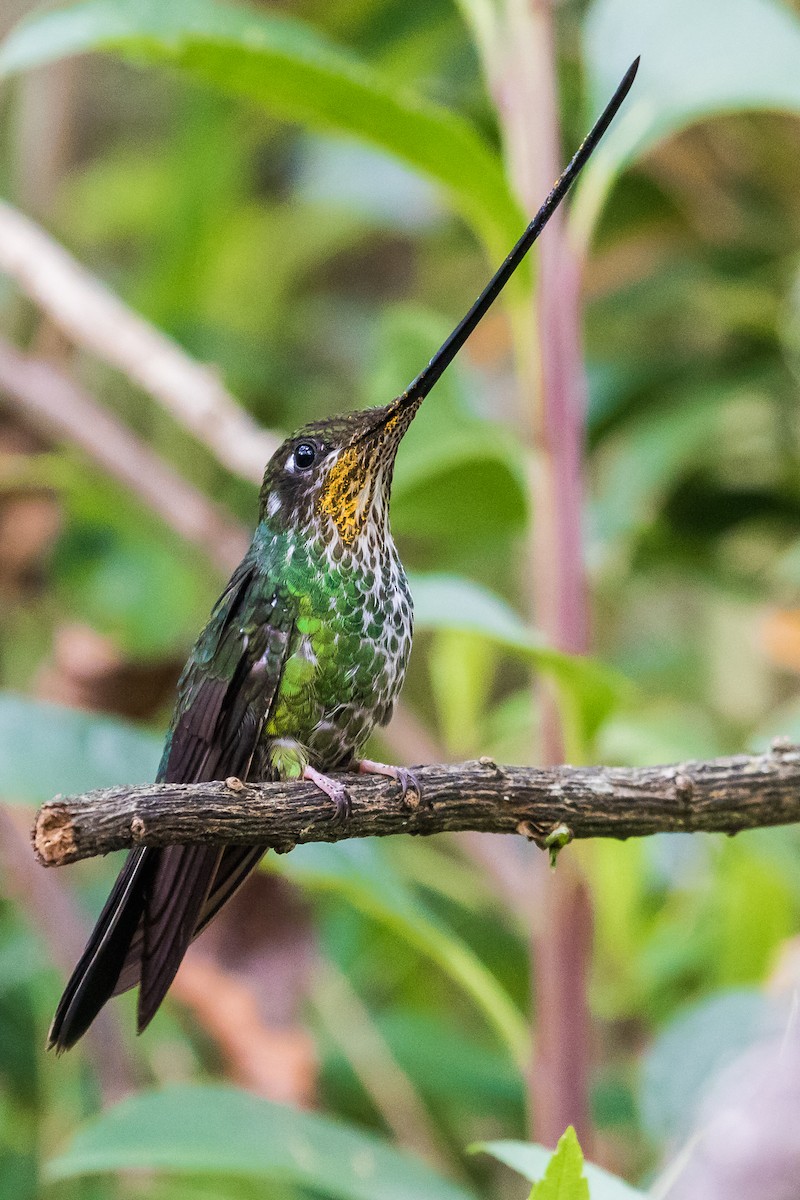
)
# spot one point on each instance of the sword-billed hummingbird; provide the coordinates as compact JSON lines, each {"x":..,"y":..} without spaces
{"x":303,"y":655}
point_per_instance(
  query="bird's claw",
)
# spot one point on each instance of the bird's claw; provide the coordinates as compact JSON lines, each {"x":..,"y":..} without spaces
{"x":342,"y":802}
{"x":411,"y":793}
{"x":335,"y":791}
{"x":411,"y":790}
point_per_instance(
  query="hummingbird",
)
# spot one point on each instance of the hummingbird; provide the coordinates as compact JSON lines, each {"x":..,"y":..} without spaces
{"x":304,"y":654}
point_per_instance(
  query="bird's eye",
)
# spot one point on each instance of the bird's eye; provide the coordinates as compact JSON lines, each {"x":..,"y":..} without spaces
{"x":304,"y":455}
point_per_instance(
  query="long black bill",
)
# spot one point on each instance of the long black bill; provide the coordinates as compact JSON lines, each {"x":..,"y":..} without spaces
{"x":420,"y":387}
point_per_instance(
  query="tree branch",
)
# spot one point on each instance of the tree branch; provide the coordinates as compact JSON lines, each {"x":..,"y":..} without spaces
{"x":724,"y":795}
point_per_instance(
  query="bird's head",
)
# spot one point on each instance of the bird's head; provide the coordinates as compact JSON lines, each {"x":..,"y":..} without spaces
{"x":336,"y":475}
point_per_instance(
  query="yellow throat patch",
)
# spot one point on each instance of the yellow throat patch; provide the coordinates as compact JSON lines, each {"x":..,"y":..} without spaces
{"x":343,"y":497}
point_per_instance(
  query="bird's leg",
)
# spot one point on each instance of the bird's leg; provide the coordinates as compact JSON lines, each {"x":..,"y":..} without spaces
{"x":336,"y":791}
{"x":407,"y":779}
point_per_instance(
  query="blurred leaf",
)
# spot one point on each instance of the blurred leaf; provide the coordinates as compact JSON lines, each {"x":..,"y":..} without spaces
{"x":360,"y":872}
{"x":366,"y":183}
{"x":46,"y":749}
{"x":195,"y":1130}
{"x":752,"y":911}
{"x":619,"y":878}
{"x":453,"y":1067}
{"x":290,"y":69}
{"x":781,"y":722}
{"x":212,"y":1187}
{"x":639,"y":463}
{"x":589,"y":691}
{"x":662,"y":731}
{"x":692,"y":1050}
{"x":118,"y":569}
{"x":21,"y":961}
{"x":261,"y":258}
{"x":461,"y":669}
{"x":459,"y":477}
{"x":431,"y":864}
{"x":698,"y":60}
{"x":19,"y":1176}
{"x":534,"y":1161}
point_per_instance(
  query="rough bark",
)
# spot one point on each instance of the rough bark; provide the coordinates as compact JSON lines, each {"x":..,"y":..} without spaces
{"x":550,"y":806}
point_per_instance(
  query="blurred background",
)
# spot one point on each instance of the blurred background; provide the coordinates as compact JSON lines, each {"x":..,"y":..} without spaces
{"x":305,"y":197}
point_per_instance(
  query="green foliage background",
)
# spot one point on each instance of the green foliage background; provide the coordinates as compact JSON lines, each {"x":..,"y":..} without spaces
{"x":307,"y":197}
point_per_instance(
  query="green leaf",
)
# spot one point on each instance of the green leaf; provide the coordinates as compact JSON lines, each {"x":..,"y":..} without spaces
{"x":698,"y":61}
{"x":588,"y":690}
{"x":361,"y":872}
{"x":197,"y":1130}
{"x":564,"y":1178}
{"x":21,"y":961}
{"x":113,"y":556}
{"x":461,"y":667}
{"x":459,"y":478}
{"x":533,"y":1162}
{"x":288,"y":68}
{"x":46,"y":749}
{"x":452,"y":1067}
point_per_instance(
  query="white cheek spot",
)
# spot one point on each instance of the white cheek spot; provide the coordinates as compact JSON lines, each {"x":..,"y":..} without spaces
{"x":273,"y":504}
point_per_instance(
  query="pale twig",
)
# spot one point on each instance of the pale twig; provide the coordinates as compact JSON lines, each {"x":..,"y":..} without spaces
{"x":548,"y":805}
{"x":61,"y":410}
{"x":97,"y":320}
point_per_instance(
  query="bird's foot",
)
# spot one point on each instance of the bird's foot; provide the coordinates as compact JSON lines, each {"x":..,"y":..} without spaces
{"x":410,"y":787}
{"x":335,"y":791}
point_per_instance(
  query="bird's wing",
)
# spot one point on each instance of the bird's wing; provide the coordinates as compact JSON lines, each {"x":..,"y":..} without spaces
{"x":161,"y":896}
{"x":224,"y":701}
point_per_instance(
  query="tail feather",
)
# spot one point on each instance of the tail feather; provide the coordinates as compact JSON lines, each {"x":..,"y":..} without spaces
{"x":92,"y":982}
{"x":235,"y":865}
{"x":161,"y":900}
{"x":179,"y":891}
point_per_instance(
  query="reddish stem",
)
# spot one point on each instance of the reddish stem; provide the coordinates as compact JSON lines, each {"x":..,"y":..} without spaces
{"x":561,"y":941}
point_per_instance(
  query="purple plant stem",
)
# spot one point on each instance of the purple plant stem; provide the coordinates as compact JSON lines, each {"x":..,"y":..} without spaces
{"x":555,"y":391}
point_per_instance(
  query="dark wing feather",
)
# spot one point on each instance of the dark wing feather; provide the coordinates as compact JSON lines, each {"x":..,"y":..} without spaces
{"x":234,"y":866}
{"x":163,"y":897}
{"x":104,"y":955}
{"x":181,"y":883}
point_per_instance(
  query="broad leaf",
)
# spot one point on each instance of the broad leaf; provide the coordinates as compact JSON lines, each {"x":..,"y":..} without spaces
{"x":642,"y":460}
{"x":589,"y":691}
{"x":46,"y":749}
{"x":198,"y":1130}
{"x":292,"y":71}
{"x":698,"y":61}
{"x":533,"y":1162}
